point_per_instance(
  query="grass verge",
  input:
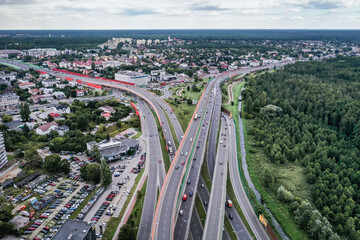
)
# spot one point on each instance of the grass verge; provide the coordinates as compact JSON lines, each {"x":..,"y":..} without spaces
{"x":115,"y":221}
{"x":83,"y":204}
{"x":230,"y":229}
{"x":137,"y":135}
{"x":135,"y":216}
{"x":183,"y":112}
{"x":205,"y":174}
{"x":176,"y":142}
{"x":162,"y":144}
{"x":200,"y":209}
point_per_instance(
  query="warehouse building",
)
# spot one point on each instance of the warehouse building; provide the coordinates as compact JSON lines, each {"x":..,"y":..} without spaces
{"x":132,"y":77}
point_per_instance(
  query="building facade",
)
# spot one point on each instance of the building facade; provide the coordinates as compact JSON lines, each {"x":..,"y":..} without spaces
{"x":132,"y":77}
{"x":3,"y":156}
{"x":9,"y":101}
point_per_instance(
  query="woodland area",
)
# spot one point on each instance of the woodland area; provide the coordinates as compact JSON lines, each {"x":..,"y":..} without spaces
{"x":309,"y":113}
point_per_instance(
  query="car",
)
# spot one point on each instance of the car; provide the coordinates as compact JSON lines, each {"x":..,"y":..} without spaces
{"x":177,"y":167}
{"x":191,"y":194}
{"x":220,"y":163}
{"x":207,"y":122}
{"x":191,"y":139}
{"x":181,"y":212}
{"x":159,"y":160}
{"x":117,"y":175}
{"x":231,"y":217}
{"x":184,"y":197}
{"x":31,"y":229}
{"x":197,"y":146}
{"x":205,"y":203}
{"x":186,"y":153}
{"x":221,"y":141}
{"x":194,"y":159}
{"x":182,"y":154}
{"x":189,"y":181}
{"x":202,"y":185}
{"x":27,"y":232}
{"x":183,"y":162}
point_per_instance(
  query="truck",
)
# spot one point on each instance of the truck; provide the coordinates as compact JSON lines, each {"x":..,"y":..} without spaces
{"x":170,"y":150}
{"x":229,"y":203}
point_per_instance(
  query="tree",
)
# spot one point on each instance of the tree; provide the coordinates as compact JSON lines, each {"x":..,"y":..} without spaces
{"x":127,"y":232}
{"x":268,"y":179}
{"x":6,"y":118}
{"x":82,"y":123}
{"x":189,"y":101}
{"x":118,"y":124}
{"x":105,"y":173}
{"x":25,"y":112}
{"x":49,"y":118}
{"x":95,"y":153}
{"x":5,"y":210}
{"x":93,"y":173}
{"x":83,"y":172}
{"x":33,"y":158}
{"x":65,"y":166}
{"x":52,"y":163}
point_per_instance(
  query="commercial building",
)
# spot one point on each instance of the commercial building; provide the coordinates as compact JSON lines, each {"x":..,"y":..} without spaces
{"x":114,"y":149}
{"x":9,"y":101}
{"x":132,"y":77}
{"x":76,"y":230}
{"x":3,"y":156}
{"x":42,"y":52}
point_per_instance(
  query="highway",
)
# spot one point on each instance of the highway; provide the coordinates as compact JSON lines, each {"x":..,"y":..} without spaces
{"x":238,"y":187}
{"x":168,"y":199}
{"x":214,"y":224}
{"x":152,"y":164}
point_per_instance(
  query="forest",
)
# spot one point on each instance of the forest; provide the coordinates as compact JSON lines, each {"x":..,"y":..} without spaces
{"x":309,"y":113}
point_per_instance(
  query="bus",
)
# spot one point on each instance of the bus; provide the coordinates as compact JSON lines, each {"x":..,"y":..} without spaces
{"x":196,"y":116}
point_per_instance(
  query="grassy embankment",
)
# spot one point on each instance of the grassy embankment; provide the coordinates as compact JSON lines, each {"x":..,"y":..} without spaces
{"x":115,"y":221}
{"x":135,"y":216}
{"x":114,"y":130}
{"x":290,"y":176}
{"x":176,"y":142}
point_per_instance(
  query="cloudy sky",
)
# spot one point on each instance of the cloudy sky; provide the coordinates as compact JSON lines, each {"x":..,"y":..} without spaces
{"x":179,"y":14}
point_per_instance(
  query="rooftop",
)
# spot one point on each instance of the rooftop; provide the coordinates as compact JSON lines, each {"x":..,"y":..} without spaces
{"x":77,"y":229}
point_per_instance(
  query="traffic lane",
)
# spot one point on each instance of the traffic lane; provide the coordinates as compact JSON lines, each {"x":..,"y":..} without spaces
{"x":214,"y":221}
{"x":150,"y":194}
{"x":182,"y":224}
{"x":240,"y":194}
{"x":196,"y":226}
{"x":169,"y":197}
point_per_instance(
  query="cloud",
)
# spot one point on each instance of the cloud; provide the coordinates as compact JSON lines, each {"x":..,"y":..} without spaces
{"x":297,"y":18}
{"x":293,"y":10}
{"x":18,"y":2}
{"x":207,"y":7}
{"x":138,"y":12}
{"x":323,"y":4}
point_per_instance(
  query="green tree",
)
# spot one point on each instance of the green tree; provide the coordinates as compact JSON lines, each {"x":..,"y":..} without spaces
{"x":49,"y":118}
{"x":33,"y":158}
{"x":82,"y":123}
{"x":189,"y":101}
{"x":118,"y":124}
{"x":6,"y":118}
{"x":64,"y":166}
{"x":93,"y":173}
{"x":95,"y":153}
{"x":83,"y":172}
{"x":127,"y":232}
{"x":25,"y":112}
{"x":105,"y":173}
{"x":52,"y":163}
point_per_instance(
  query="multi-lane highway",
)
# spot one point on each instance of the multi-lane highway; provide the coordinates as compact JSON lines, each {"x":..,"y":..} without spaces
{"x":214,"y":225}
{"x":153,"y":165}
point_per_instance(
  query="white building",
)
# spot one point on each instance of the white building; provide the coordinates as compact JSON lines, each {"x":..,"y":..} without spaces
{"x":3,"y":156}
{"x":47,"y":128}
{"x":132,"y":77}
{"x":140,"y":41}
{"x":8,"y":101}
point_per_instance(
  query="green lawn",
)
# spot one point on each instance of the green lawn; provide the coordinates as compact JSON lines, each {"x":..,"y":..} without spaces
{"x":137,"y":135}
{"x":114,"y":222}
{"x":135,"y":215}
{"x":183,"y":112}
{"x":114,"y":130}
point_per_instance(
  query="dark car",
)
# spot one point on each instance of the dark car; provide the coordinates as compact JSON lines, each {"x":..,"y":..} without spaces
{"x":205,"y":203}
{"x":231,"y":217}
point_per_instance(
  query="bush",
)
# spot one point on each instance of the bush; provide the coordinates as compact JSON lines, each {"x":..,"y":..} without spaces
{"x":284,"y":195}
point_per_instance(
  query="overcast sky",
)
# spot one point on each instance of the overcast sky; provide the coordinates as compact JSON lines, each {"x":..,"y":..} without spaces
{"x":179,"y":14}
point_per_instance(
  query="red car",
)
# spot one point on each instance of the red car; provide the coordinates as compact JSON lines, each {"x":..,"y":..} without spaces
{"x":46,"y":228}
{"x":159,"y":160}
{"x":37,"y":223}
{"x":43,"y":216}
{"x":31,"y":229}
{"x":183,"y":162}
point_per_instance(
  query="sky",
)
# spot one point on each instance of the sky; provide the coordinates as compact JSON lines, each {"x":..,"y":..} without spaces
{"x":180,"y":14}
